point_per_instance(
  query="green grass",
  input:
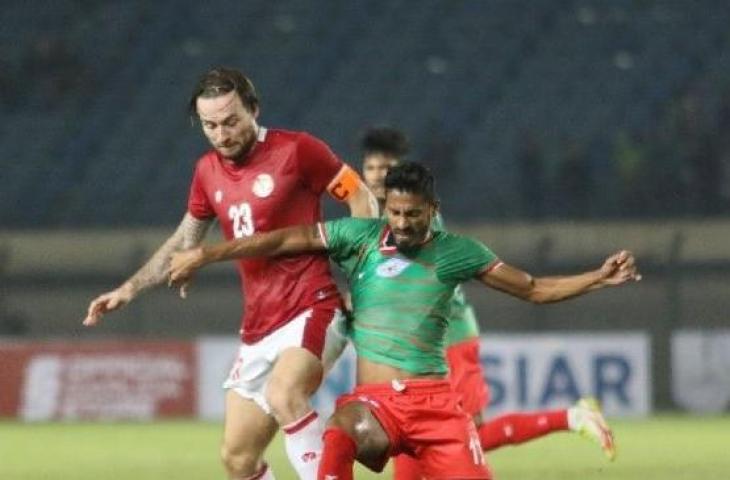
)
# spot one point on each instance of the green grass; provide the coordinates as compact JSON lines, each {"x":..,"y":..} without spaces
{"x":665,"y":447}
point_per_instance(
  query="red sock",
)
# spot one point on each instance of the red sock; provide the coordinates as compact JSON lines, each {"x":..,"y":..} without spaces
{"x":338,"y":455}
{"x":514,"y":428}
{"x":406,"y":467}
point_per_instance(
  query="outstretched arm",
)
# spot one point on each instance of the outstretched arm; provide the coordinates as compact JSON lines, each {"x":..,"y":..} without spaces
{"x":285,"y":241}
{"x":616,"y":270}
{"x":188,"y":234}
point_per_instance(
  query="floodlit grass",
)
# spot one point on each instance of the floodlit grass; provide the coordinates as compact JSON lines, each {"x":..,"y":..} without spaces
{"x":661,"y":448}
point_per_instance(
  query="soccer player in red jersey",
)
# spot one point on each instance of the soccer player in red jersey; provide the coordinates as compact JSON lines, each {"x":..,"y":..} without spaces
{"x":256,"y":179}
{"x":383,"y":148}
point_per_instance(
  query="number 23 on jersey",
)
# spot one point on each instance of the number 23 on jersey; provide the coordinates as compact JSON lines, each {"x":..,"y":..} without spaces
{"x":242,"y":218}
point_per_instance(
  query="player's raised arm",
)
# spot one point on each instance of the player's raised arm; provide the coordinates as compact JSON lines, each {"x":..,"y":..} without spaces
{"x":348,"y":187}
{"x":617,"y":269}
{"x":188,"y":234}
{"x":285,"y":241}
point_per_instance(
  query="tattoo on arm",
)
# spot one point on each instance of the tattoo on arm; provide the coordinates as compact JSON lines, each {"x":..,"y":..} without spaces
{"x":189,"y":233}
{"x":193,"y":230}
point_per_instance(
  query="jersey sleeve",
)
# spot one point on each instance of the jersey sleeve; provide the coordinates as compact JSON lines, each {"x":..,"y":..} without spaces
{"x":466,"y":258}
{"x":345,"y":236}
{"x":318,"y":164}
{"x":198,"y":203}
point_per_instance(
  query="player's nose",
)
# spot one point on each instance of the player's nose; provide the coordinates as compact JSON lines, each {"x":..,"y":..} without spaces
{"x":220,"y":135}
{"x":400,"y":223}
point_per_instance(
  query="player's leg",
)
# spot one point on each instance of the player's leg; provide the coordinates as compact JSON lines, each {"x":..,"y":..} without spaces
{"x":352,"y":433}
{"x":247,"y":432}
{"x":249,"y":426}
{"x":516,"y":428}
{"x":467,"y":376}
{"x":296,"y":375}
{"x":585,"y":418}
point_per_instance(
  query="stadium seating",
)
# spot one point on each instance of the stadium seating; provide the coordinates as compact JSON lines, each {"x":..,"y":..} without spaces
{"x":95,"y":132}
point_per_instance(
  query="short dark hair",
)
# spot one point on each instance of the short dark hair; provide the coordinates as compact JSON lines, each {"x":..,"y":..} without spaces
{"x":387,"y":141}
{"x":411,"y":177}
{"x":220,"y":81}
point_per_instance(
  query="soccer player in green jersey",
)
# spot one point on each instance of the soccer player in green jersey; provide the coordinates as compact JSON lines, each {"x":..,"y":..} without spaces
{"x":402,"y":275}
{"x":383,"y":148}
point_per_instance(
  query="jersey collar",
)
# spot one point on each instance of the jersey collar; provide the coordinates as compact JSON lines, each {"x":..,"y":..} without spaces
{"x":232,"y":167}
{"x":387,"y":242}
{"x":261,"y":136}
{"x":387,"y":246}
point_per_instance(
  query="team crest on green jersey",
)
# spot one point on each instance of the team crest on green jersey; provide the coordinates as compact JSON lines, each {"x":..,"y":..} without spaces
{"x":392,"y":267}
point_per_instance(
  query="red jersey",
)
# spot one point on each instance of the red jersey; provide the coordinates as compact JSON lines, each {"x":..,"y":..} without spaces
{"x":279,"y":185}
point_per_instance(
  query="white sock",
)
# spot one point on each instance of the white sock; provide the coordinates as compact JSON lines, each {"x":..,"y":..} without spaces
{"x":303,"y":441}
{"x":575,"y":418}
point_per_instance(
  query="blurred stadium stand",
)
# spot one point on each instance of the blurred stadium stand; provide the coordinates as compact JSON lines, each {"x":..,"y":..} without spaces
{"x":605,"y":94}
{"x":555,"y":111}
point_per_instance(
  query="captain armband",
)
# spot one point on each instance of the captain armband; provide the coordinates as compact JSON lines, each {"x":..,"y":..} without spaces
{"x":345,"y":184}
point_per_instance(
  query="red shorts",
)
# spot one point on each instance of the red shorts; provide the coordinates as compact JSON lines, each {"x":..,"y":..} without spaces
{"x":425,"y":420}
{"x":466,"y":375}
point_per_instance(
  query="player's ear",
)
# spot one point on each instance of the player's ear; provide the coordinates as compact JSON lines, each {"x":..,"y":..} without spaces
{"x":436,"y":205}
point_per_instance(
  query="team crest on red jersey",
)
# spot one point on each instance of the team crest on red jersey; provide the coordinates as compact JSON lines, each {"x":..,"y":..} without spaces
{"x":263,"y":185}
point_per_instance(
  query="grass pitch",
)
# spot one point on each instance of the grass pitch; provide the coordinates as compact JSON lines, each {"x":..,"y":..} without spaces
{"x":660,"y":448}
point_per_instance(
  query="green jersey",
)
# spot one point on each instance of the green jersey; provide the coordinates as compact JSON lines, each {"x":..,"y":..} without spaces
{"x":462,"y":321}
{"x":402,"y":299}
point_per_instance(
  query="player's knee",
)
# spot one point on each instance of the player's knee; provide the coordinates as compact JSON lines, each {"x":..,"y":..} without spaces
{"x":288,"y":402}
{"x":371,"y":442}
{"x":239,"y":462}
{"x":350,"y":421}
{"x":342,"y":423}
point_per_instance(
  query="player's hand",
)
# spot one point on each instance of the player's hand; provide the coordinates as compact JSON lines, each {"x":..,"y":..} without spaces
{"x":107,"y":302}
{"x":620,"y":268}
{"x":183,"y":266}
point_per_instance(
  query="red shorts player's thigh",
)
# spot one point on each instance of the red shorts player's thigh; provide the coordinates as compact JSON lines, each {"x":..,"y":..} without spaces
{"x":467,"y":376}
